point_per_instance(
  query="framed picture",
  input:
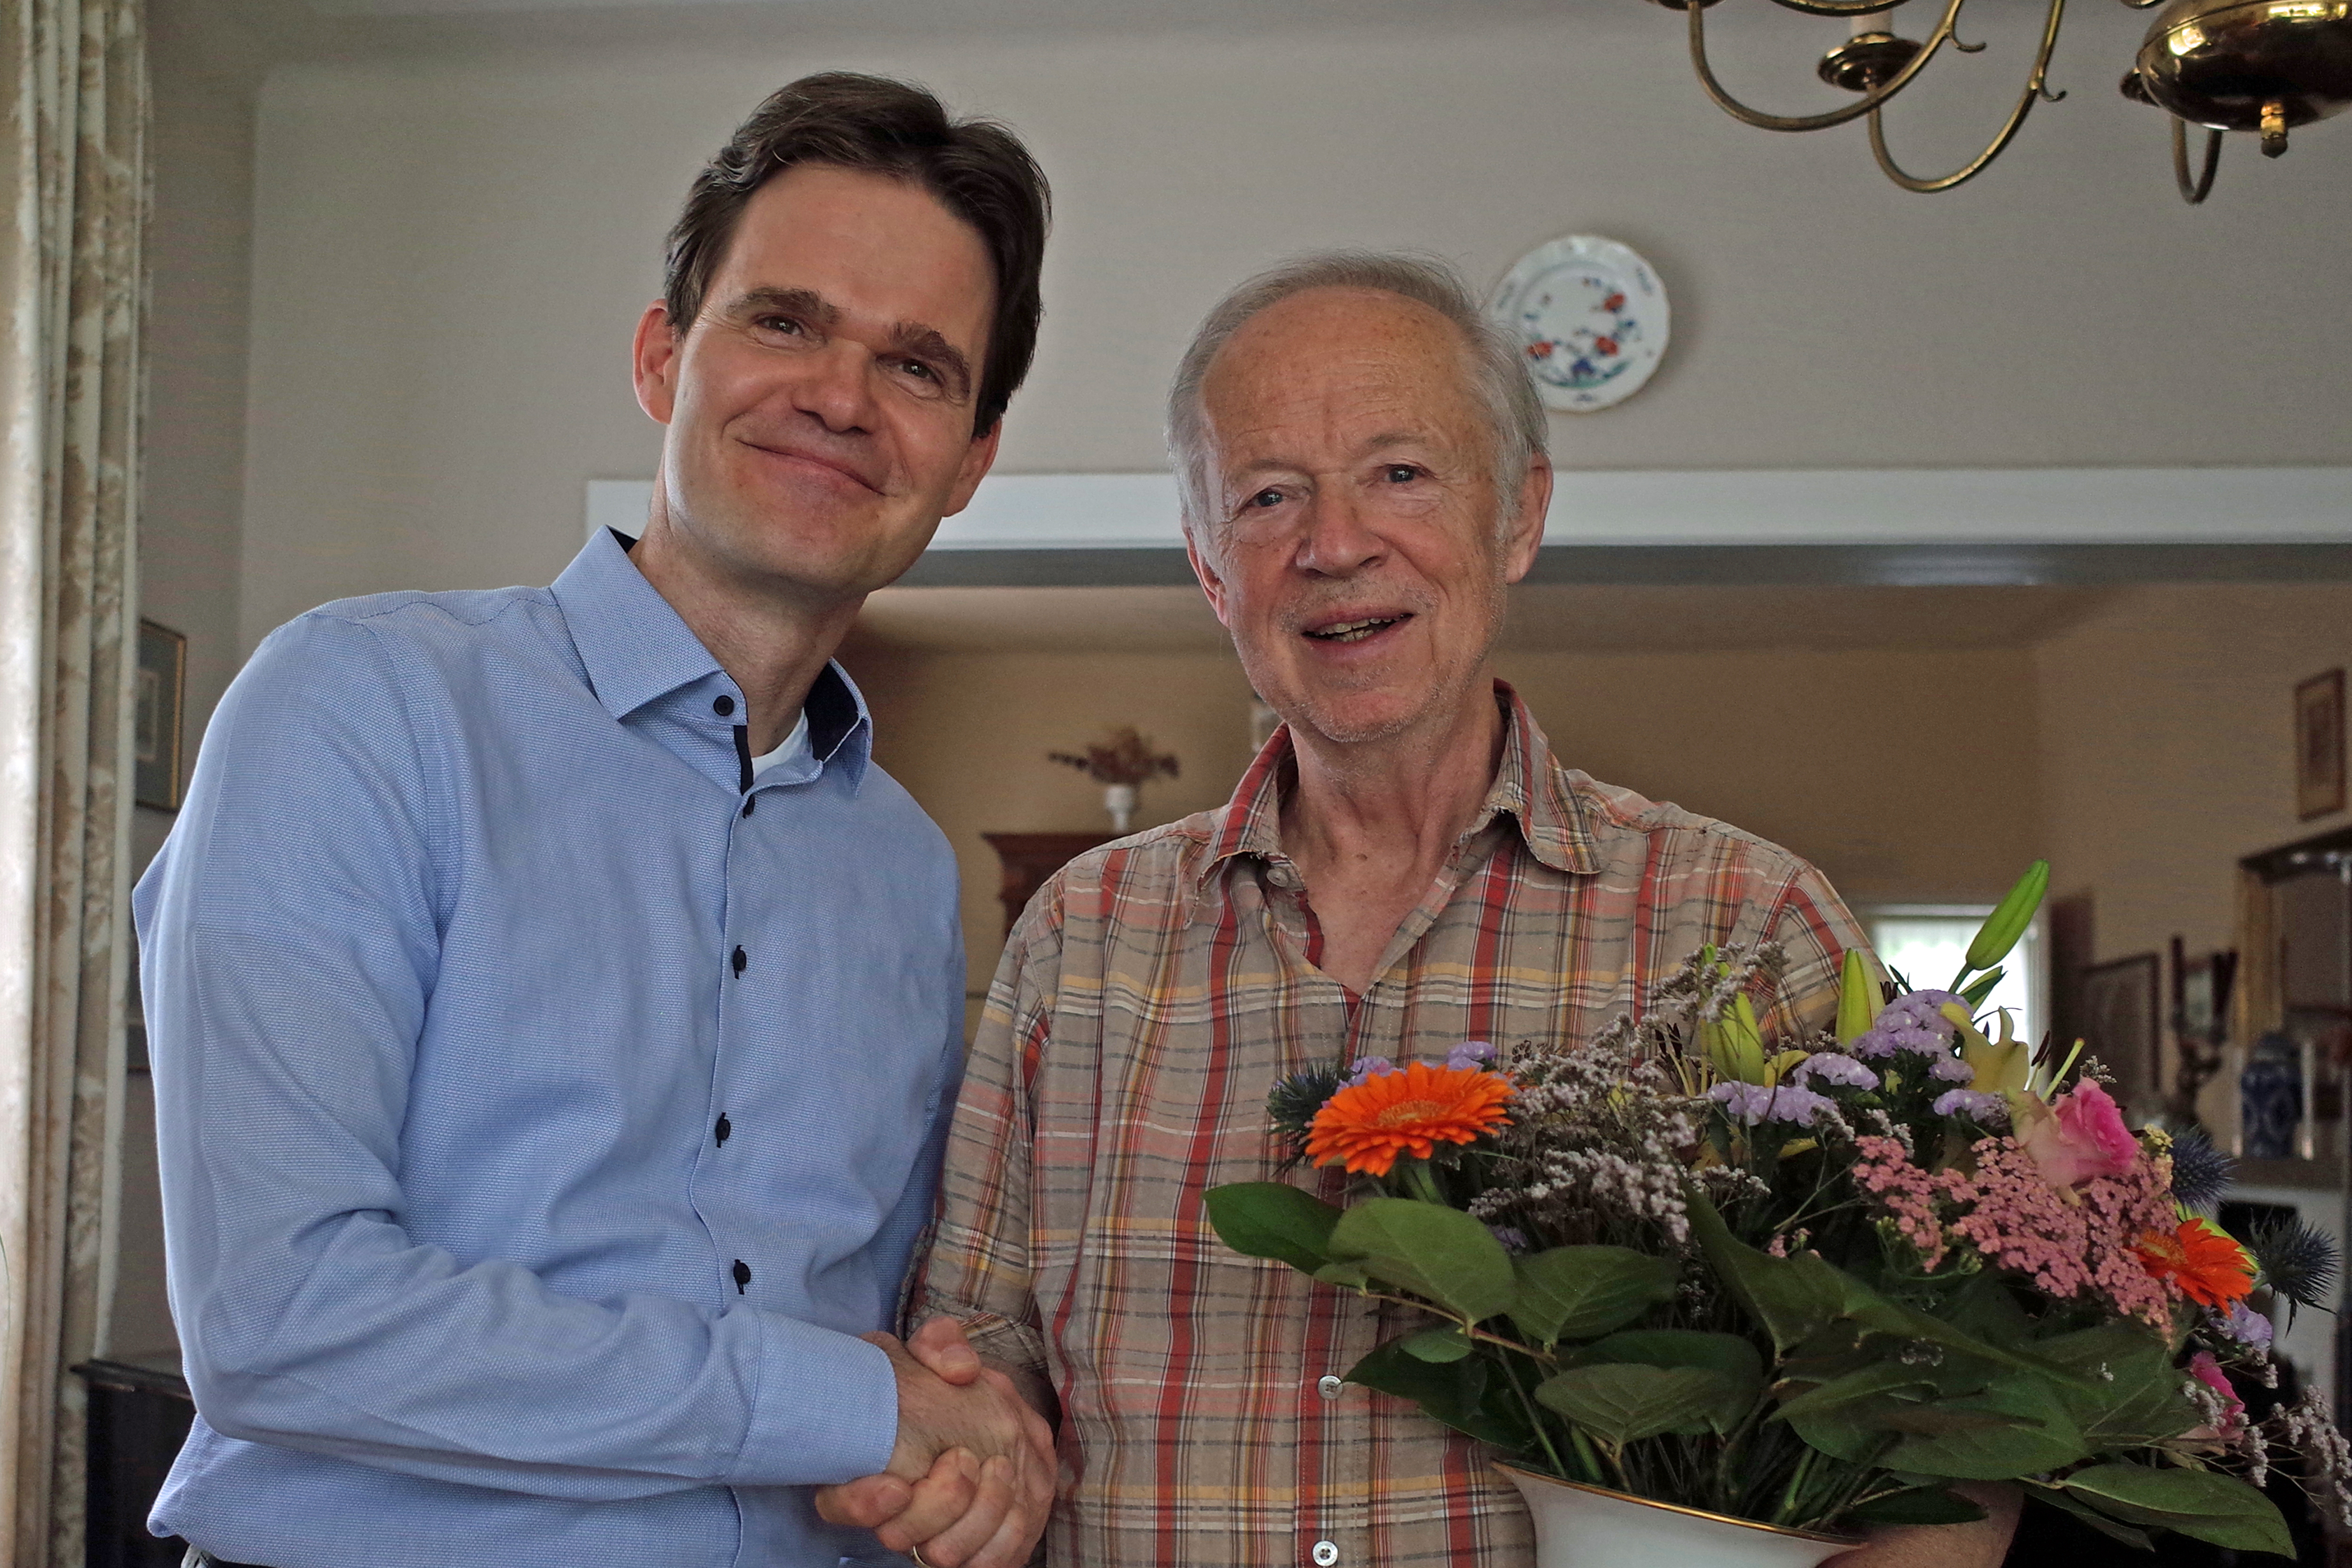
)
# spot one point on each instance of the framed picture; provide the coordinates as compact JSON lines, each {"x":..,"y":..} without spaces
{"x":155,"y":725}
{"x":2319,"y":745}
{"x":2121,"y":1015}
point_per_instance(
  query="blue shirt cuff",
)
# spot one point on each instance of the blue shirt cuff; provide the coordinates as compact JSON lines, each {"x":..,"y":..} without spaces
{"x":828,"y":1409}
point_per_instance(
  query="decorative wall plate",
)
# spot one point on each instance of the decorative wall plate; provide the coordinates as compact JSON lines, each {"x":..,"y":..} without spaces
{"x":1591,"y":316}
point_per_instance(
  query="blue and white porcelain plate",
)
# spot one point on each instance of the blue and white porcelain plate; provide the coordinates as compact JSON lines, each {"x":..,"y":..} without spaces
{"x":1591,"y":317}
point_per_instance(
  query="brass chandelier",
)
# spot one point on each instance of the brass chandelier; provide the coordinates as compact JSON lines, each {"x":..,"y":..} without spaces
{"x":2258,"y":66}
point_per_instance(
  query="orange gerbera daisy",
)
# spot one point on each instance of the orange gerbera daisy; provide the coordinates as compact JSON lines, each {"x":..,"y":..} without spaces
{"x":2200,"y":1261}
{"x":1367,"y":1125}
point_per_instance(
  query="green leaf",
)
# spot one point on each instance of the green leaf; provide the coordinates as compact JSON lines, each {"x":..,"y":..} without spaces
{"x":2133,"y":1394}
{"x":1920,"y":1505}
{"x":1977,"y":989}
{"x":1453,"y":1393}
{"x":1271,"y":1219}
{"x":1440,"y":1345}
{"x":2105,"y":1524}
{"x":1734,"y":1360}
{"x":1872,"y":1383}
{"x":1871,"y":1310}
{"x":1440,"y":1253}
{"x":1621,"y":1403}
{"x":2205,"y":1504}
{"x":1351,"y":1276}
{"x":1583,"y":1292}
{"x":1792,"y":1298}
{"x":2034,"y":1434}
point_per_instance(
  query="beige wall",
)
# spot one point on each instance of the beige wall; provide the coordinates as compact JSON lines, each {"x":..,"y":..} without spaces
{"x":2167,"y":749}
{"x":450,"y":251}
{"x":1905,"y":776}
{"x":192,"y":500}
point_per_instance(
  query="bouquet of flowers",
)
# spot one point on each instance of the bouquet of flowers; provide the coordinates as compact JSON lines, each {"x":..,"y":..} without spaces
{"x":1811,"y":1286}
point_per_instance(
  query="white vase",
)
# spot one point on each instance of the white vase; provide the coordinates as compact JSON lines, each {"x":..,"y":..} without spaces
{"x":1579,"y":1526}
{"x":1120,"y":800}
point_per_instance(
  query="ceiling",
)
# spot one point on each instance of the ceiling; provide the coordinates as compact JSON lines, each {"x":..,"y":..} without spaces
{"x":1545,"y":617}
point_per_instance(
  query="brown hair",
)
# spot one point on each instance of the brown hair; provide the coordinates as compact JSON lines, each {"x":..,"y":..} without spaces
{"x":976,"y":169}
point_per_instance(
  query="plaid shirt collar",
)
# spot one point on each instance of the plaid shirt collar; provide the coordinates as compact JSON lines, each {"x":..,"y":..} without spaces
{"x":1530,"y":788}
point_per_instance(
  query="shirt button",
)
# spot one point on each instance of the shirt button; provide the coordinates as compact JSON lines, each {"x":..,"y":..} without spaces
{"x":1328,"y":1386}
{"x":738,"y":961}
{"x":1325,"y":1553}
{"x":743,"y":1272}
{"x":723,"y":705}
{"x":723,"y":1129}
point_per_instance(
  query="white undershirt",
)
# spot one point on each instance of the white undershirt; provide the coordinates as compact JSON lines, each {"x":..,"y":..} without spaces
{"x":794,"y":749}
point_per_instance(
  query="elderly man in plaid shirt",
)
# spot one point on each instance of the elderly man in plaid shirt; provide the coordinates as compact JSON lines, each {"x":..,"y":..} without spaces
{"x":1406,"y":866}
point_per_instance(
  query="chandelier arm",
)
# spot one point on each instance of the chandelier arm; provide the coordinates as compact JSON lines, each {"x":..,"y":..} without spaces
{"x":1868,"y":103}
{"x":2036,"y":89}
{"x":2195,"y":191}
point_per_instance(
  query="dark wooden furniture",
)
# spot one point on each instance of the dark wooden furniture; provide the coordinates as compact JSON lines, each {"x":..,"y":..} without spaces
{"x":140,"y":1409}
{"x":1029,"y":858}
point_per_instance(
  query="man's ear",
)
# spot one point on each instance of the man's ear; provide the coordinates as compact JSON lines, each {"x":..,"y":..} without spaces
{"x":977,"y":457}
{"x":1525,"y":535}
{"x":654,"y":364}
{"x":1213,"y":584}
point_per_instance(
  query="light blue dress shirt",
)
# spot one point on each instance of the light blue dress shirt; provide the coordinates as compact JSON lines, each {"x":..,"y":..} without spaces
{"x":542,"y":1110}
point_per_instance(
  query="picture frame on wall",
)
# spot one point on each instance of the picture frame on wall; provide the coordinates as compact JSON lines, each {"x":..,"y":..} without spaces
{"x":162,"y":693}
{"x":2121,"y":1016}
{"x":2319,"y":745}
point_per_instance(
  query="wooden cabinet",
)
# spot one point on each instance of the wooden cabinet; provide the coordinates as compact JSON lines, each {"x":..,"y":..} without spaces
{"x":1029,"y":858}
{"x":139,"y":1411}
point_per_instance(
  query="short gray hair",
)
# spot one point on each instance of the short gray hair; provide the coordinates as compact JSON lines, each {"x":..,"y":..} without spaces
{"x":1499,"y":372}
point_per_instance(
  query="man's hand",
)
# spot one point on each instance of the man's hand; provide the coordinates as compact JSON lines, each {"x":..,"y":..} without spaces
{"x":972,"y":1478}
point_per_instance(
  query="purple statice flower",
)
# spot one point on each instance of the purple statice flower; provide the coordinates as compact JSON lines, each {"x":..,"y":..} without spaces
{"x":1984,"y":1109}
{"x":1515,"y":1240}
{"x":1476,"y":1054}
{"x":1749,"y":1103}
{"x":1364,"y":1068}
{"x":1911,"y":1023}
{"x":1829,"y":1066}
{"x":1952,"y":1069}
{"x":2246,"y":1326}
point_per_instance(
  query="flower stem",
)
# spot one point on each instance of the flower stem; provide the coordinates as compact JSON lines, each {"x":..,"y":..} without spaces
{"x":1423,"y":1184}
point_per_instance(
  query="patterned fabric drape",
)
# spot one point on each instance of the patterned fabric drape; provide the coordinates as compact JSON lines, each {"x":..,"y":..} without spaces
{"x":73,"y":108}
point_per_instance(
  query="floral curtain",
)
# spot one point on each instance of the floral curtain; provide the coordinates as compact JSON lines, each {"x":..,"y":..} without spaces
{"x":73,"y":108}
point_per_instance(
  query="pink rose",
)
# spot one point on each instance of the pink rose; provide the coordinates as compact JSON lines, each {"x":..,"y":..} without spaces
{"x":2207,"y":1371}
{"x":2083,"y":1137}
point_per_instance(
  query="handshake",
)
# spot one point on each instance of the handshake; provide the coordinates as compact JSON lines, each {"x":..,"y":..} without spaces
{"x":971,"y":1479}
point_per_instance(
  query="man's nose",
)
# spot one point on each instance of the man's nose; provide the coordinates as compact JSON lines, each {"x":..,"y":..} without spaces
{"x":1338,"y":538}
{"x":837,"y":387}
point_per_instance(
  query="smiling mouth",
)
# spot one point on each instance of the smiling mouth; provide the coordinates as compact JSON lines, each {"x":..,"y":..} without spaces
{"x":1356,"y":631}
{"x":838,"y":469}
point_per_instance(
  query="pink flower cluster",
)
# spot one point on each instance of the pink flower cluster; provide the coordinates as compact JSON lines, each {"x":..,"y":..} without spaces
{"x":1908,"y":1194}
{"x":2070,"y":1242}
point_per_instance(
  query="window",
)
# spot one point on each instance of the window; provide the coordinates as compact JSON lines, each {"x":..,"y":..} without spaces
{"x":1926,"y":943}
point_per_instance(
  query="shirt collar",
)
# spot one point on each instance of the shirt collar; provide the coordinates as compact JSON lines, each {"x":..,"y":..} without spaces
{"x":635,"y":646}
{"x":1530,"y":787}
{"x":637,"y":649}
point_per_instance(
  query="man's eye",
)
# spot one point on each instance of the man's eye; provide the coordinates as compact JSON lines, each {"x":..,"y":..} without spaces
{"x":785,"y":324}
{"x":1403,"y":473}
{"x":915,"y":367}
{"x":1265,"y":498}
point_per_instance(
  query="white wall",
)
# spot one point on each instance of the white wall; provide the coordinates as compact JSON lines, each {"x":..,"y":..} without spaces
{"x":449,"y":254}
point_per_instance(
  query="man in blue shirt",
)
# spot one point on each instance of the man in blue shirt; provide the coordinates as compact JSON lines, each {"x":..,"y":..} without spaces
{"x":555,"y":1012}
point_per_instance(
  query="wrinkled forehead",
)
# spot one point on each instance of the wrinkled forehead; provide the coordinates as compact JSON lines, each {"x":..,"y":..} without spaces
{"x":1334,"y":364}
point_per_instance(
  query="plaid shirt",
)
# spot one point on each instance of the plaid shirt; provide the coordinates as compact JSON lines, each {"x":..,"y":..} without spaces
{"x":1149,"y":998}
